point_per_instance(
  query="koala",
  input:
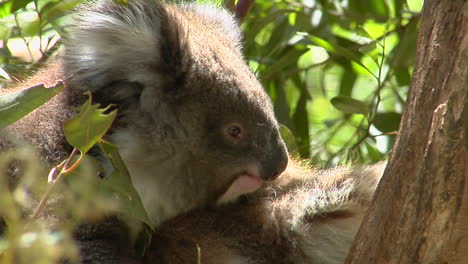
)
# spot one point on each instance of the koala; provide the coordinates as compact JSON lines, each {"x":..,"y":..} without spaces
{"x":200,"y":139}
{"x":305,"y":216}
{"x":194,"y":127}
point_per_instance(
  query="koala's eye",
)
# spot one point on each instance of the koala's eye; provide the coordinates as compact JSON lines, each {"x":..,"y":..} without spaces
{"x":234,"y":132}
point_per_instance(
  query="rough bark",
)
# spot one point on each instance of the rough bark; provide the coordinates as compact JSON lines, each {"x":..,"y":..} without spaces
{"x":420,"y":210}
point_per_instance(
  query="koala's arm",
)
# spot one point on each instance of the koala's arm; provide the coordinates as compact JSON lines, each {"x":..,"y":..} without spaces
{"x":306,"y":216}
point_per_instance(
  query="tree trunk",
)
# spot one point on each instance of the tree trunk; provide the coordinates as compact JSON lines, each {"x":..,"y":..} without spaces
{"x":420,"y":210}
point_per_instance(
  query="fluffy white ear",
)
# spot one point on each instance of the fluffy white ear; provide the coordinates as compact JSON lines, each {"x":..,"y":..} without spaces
{"x":220,"y":17}
{"x":140,"y":42}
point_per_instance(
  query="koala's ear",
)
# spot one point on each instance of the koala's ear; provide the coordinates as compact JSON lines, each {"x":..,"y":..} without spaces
{"x":175,"y":54}
{"x":120,"y":50}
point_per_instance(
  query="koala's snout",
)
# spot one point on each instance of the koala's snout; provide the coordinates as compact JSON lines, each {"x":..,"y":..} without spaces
{"x":276,"y":162}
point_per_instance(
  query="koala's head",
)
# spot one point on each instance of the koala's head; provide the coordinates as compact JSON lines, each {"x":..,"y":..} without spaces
{"x":195,"y":127}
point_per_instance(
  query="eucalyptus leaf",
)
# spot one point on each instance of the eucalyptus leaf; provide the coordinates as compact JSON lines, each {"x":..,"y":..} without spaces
{"x":288,"y":138}
{"x":404,"y":53}
{"x":89,"y":126}
{"x":402,"y":76}
{"x":10,"y":6}
{"x":14,"y":106}
{"x":387,"y":122}
{"x":261,"y":23}
{"x":301,"y":123}
{"x":288,"y":59}
{"x":143,"y":240}
{"x":376,"y":9}
{"x":348,"y":79}
{"x":120,"y":183}
{"x":338,"y":50}
{"x":350,"y":105}
{"x":54,"y":10}
{"x":4,"y":33}
{"x":373,"y":153}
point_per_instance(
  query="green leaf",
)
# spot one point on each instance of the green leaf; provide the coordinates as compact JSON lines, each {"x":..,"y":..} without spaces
{"x":29,"y":23}
{"x":280,"y":35}
{"x":260,"y":23}
{"x":350,"y":105}
{"x":143,"y":240}
{"x":15,"y":105}
{"x":288,"y":59}
{"x":404,"y":53}
{"x":301,"y":123}
{"x":4,"y":32}
{"x":387,"y":122}
{"x":398,"y":7}
{"x":322,"y":43}
{"x":281,"y":105}
{"x":54,"y":10}
{"x":348,"y":79}
{"x":89,"y":126}
{"x":120,"y":183}
{"x":379,"y":9}
{"x":288,"y":138}
{"x":10,"y":6}
{"x":373,"y":152}
{"x":402,"y":76}
{"x":363,"y":32}
{"x":338,"y":50}
{"x":365,"y":9}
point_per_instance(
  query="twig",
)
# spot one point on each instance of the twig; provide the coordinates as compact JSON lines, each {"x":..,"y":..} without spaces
{"x":45,"y":197}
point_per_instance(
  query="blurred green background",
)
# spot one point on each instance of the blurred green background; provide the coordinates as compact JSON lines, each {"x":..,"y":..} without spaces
{"x":338,"y":71}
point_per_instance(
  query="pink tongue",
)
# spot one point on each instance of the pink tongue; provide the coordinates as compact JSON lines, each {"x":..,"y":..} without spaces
{"x":246,"y":183}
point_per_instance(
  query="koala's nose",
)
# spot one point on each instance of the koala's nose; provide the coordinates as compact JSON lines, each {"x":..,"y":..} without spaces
{"x":276,"y":163}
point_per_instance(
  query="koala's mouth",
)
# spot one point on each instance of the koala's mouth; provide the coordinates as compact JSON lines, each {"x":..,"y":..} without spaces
{"x":244,"y":183}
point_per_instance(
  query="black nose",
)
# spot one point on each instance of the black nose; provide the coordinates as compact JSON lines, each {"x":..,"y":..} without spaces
{"x":276,"y":162}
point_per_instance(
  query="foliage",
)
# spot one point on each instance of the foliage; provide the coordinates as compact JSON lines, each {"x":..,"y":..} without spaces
{"x":29,"y":34}
{"x":337,"y":72}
